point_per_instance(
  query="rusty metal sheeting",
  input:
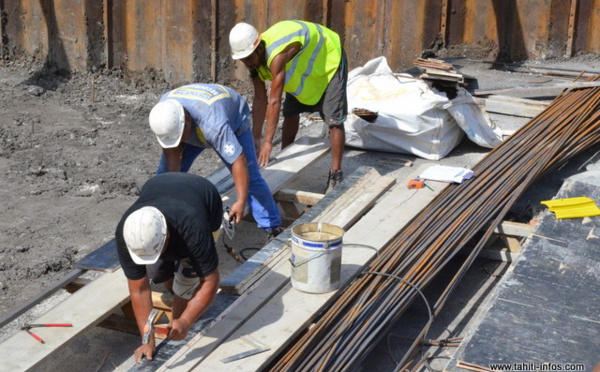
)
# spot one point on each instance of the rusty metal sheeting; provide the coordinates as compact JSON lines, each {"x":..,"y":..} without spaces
{"x":187,"y":39}
{"x":349,"y":329}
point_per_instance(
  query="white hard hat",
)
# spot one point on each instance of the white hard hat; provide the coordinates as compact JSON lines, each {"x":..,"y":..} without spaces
{"x":167,"y":121}
{"x":243,"y":39}
{"x":145,"y":232}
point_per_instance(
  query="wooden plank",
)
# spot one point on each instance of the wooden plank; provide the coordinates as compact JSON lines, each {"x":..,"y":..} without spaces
{"x":539,"y":90}
{"x":398,"y":205}
{"x":291,"y":160}
{"x":61,"y":283}
{"x":298,"y":196}
{"x":275,"y":327}
{"x":343,"y":212}
{"x":511,"y":228}
{"x":232,"y":284}
{"x":512,"y":243}
{"x":103,"y":259}
{"x":514,"y":106}
{"x":84,"y":309}
{"x":289,"y":209}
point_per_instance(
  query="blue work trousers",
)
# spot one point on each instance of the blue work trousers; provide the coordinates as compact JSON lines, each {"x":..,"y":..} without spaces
{"x":260,"y":200}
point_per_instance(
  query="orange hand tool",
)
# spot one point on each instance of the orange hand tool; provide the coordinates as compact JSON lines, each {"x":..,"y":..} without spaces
{"x":416,"y":183}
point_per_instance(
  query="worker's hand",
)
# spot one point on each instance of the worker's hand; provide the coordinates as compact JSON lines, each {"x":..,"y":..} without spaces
{"x":265,"y":154}
{"x":257,"y":145}
{"x":146,"y":350}
{"x":237,"y":211}
{"x":179,"y":329}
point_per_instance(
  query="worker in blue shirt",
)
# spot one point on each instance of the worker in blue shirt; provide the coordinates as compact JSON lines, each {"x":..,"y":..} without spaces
{"x":193,"y":117}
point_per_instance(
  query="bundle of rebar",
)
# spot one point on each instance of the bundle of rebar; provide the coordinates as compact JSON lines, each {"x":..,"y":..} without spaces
{"x":350,"y":328}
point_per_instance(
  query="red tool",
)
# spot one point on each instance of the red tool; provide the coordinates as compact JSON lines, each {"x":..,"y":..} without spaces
{"x":416,"y":183}
{"x":27,"y":328}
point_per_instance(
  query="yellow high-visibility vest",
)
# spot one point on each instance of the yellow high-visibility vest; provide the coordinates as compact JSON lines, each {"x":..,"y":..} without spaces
{"x":310,"y":71}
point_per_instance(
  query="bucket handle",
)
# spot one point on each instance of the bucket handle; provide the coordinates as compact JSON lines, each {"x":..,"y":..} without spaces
{"x":300,"y":263}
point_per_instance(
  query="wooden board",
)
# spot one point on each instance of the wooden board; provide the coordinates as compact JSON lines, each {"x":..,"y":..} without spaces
{"x":290,"y":311}
{"x":103,"y":259}
{"x":270,"y":282}
{"x":260,"y":311}
{"x":341,"y":207}
{"x":514,"y":106}
{"x":84,"y":309}
{"x":540,"y":89}
{"x":286,"y":165}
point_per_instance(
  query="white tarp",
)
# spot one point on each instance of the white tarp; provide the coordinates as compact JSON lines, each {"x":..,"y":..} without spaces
{"x":412,"y":118}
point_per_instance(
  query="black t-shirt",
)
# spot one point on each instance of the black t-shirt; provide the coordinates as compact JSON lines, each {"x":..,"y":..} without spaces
{"x":192,"y":208}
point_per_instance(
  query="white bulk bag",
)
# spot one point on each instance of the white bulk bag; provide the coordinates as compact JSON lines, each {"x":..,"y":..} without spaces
{"x":412,"y":118}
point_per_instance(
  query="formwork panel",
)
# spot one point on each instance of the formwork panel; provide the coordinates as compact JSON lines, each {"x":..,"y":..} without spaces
{"x":359,"y":26}
{"x":304,"y":10}
{"x":54,"y":31}
{"x":587,"y":34}
{"x":26,"y":29}
{"x":183,"y":23}
{"x":413,"y":28}
{"x":254,"y":12}
{"x":534,"y":20}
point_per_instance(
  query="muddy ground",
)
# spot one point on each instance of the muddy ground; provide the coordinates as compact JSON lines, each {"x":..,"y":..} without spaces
{"x":74,"y":151}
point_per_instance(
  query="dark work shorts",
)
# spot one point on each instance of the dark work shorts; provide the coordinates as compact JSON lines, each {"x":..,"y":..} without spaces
{"x":333,"y":105}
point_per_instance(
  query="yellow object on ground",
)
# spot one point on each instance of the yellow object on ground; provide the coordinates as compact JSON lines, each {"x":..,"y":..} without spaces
{"x":573,"y":207}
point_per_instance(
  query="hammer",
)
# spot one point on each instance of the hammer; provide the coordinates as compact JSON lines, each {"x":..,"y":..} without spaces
{"x":149,"y":327}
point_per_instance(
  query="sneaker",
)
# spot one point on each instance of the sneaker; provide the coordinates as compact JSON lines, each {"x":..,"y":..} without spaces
{"x":335,"y":178}
{"x":273,"y":232}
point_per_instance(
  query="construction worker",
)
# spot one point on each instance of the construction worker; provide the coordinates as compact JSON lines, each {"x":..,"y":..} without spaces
{"x":307,"y":61}
{"x":166,"y":236}
{"x":193,"y":117}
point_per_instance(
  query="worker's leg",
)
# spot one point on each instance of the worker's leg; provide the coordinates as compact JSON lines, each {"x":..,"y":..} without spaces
{"x":291,"y":119}
{"x":338,"y":138}
{"x":260,"y":200}
{"x":289,"y":130}
{"x":185,"y":285}
{"x":333,"y":109}
{"x":190,"y":153}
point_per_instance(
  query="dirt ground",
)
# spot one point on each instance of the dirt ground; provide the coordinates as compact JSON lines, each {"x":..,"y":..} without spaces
{"x":74,"y":151}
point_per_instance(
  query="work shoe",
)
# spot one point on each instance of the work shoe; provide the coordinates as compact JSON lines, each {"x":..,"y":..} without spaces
{"x":273,"y":232}
{"x":335,"y":178}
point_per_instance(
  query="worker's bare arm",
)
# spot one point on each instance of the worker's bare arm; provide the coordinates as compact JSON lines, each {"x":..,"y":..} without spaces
{"x":259,"y":109}
{"x":275,"y":99}
{"x":192,"y":309}
{"x":141,"y":301}
{"x":173,"y":158}
{"x":241,"y":179}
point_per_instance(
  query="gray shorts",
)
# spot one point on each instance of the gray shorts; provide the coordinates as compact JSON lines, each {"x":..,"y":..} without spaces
{"x":185,"y":278}
{"x":333,"y":105}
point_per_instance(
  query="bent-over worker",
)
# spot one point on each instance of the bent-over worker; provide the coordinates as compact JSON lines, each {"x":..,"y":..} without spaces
{"x":166,"y":236}
{"x":307,"y":61}
{"x":193,"y":117}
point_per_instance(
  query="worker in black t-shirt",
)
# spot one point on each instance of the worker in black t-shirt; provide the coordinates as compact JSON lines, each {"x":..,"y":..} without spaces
{"x":166,"y":236}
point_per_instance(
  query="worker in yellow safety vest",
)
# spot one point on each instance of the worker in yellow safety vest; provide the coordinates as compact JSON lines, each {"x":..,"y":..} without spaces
{"x":307,"y":61}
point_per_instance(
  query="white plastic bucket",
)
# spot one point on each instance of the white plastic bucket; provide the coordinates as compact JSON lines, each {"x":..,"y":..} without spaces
{"x":316,"y":257}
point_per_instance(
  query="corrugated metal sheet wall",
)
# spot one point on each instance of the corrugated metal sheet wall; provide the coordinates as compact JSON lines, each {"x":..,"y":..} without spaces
{"x":188,"y":39}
